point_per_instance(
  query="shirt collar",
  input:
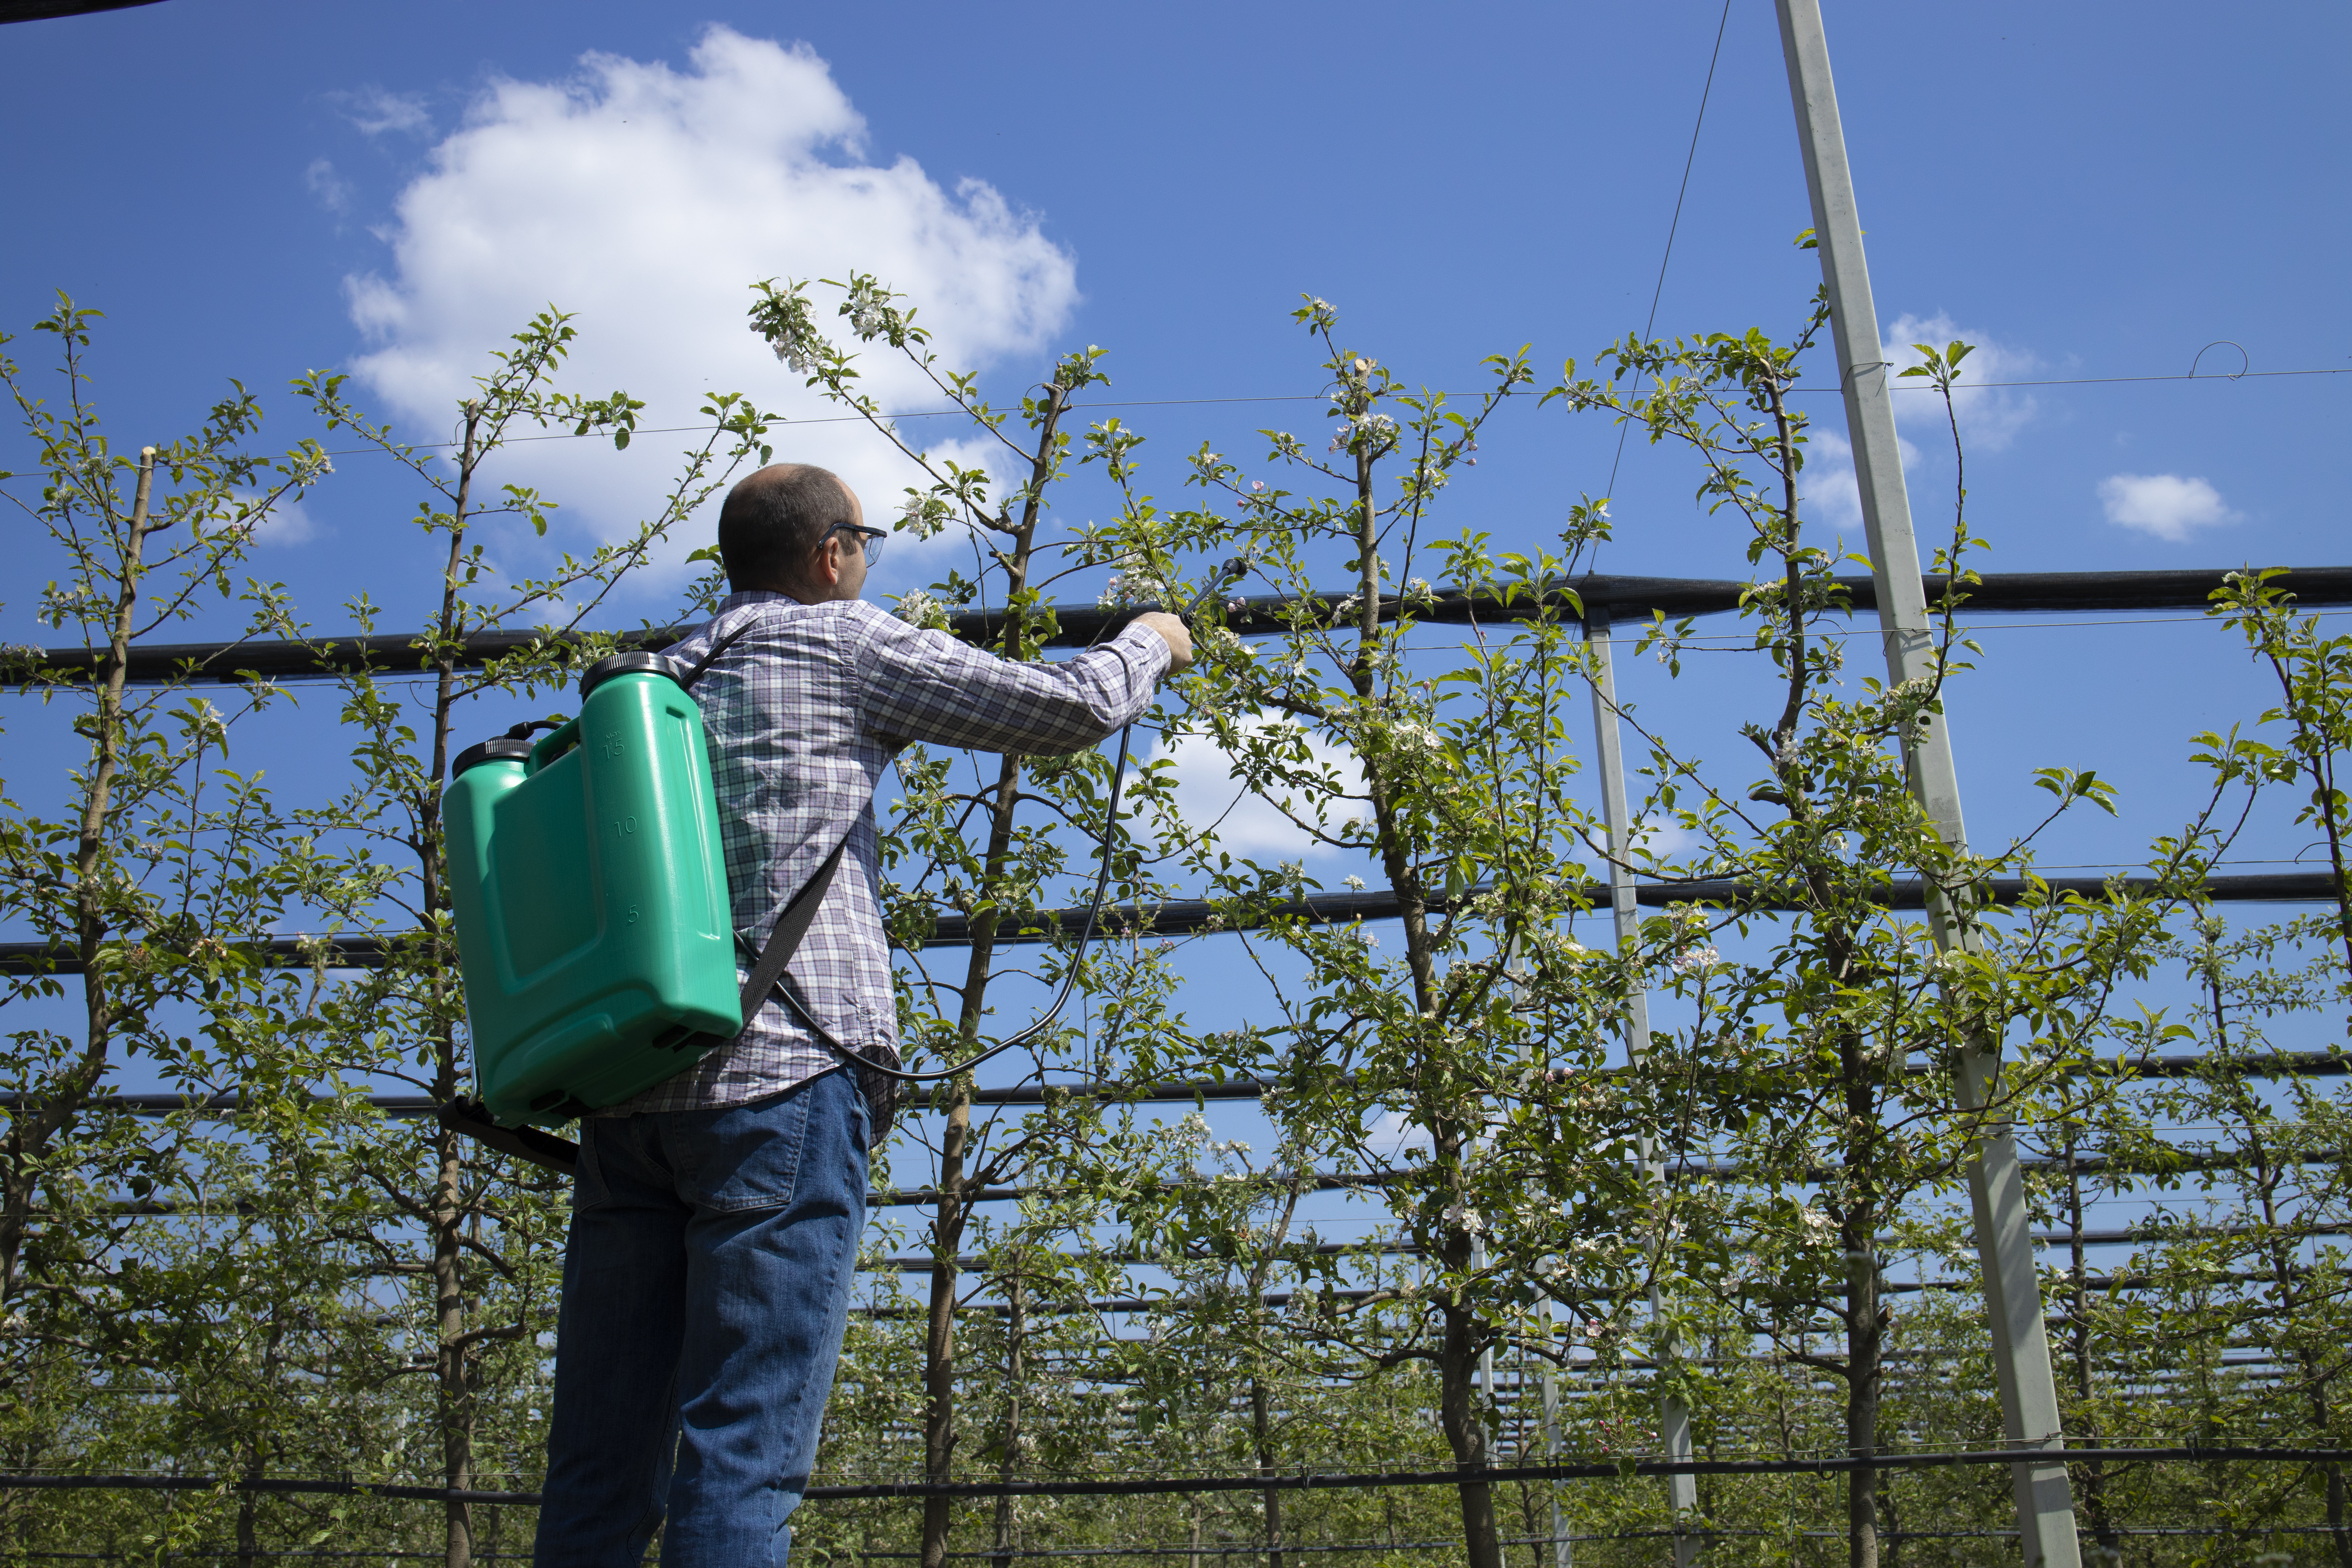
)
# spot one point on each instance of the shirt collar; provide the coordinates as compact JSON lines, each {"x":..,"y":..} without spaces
{"x":753,"y":596}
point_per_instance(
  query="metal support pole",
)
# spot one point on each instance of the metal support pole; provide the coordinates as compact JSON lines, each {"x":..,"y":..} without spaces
{"x":1674,"y":1411}
{"x":2029,"y":1394}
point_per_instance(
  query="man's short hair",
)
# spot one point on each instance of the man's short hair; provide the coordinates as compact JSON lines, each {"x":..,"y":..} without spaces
{"x":773,"y":520}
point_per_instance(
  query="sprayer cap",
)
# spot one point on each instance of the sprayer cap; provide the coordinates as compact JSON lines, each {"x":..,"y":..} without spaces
{"x":638,"y":662}
{"x":500,"y":748}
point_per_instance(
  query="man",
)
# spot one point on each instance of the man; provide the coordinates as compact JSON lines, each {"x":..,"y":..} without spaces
{"x":716,"y":1218}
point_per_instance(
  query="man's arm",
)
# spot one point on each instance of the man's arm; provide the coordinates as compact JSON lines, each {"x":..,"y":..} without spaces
{"x":926,"y":686}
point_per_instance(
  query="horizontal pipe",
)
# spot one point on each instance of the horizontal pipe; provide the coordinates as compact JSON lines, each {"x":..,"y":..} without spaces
{"x":982,"y":1264}
{"x":1327,"y":1182}
{"x":1080,"y":626}
{"x":401,"y":1107}
{"x":1189,"y":917}
{"x":1582,"y":1469}
{"x":1320,"y":1182}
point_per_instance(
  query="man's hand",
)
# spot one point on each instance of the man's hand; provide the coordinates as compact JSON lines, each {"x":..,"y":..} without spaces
{"x":1171,"y":632}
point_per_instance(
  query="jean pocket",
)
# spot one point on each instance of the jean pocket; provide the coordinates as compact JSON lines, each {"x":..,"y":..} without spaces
{"x":743,"y":1157}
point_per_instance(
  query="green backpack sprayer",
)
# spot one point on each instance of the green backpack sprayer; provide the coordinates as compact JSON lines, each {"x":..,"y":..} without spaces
{"x":589,"y":888}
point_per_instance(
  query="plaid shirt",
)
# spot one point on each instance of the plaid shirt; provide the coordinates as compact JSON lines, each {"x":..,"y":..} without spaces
{"x":802,"y":714}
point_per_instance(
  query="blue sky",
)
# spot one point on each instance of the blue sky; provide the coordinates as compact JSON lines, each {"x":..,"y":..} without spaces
{"x":252,"y":189}
{"x":2086,"y":191}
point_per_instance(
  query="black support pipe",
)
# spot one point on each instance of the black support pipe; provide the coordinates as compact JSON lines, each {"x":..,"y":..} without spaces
{"x":1626,"y":598}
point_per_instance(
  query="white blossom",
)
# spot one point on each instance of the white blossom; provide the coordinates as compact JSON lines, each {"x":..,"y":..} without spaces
{"x":799,"y":351}
{"x":869,"y":308}
{"x":919,"y":609}
{"x":923,"y":516}
{"x":1128,"y":588}
{"x":1374,"y":430}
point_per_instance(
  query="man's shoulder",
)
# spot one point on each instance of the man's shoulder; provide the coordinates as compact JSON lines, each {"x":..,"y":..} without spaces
{"x":835,"y":617}
{"x":869,"y":622}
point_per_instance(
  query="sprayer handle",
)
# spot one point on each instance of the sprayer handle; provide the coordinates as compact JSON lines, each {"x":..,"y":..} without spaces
{"x":551,"y":745}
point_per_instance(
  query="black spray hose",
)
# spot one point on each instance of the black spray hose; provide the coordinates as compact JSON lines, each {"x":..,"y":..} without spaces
{"x":1231,"y":571}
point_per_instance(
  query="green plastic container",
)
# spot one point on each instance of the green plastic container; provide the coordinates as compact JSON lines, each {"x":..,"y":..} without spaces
{"x":590,"y":890}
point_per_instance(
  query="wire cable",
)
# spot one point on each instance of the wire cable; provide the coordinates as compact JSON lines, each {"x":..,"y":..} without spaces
{"x":1689,"y":159}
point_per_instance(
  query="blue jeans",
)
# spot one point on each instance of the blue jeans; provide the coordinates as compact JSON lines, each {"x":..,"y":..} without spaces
{"x":706,"y":1285}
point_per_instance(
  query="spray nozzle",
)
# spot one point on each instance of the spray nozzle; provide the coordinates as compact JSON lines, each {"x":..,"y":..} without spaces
{"x":1232,"y":571}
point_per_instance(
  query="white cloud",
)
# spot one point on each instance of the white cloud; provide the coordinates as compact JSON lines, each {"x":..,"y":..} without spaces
{"x":375,"y":111}
{"x":332,"y":190}
{"x":1210,"y":794}
{"x":647,"y":200}
{"x":1664,"y":838}
{"x":1827,"y":489}
{"x":2164,"y":505}
{"x":1393,"y":1133}
{"x":1989,"y":416}
{"x":288,"y":523}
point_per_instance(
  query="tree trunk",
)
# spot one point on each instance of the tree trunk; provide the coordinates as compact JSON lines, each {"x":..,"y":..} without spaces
{"x":1864,"y":1343}
{"x":939,"y":1338}
{"x":2096,"y":1510}
{"x":31,"y":1132}
{"x":1262,"y":1430}
{"x":1466,"y":1429}
{"x":1458,"y":1355}
{"x":947,"y":1230}
{"x":455,"y":1401}
{"x":455,"y":1396}
{"x":248,"y":1543}
{"x":1865,"y":1324}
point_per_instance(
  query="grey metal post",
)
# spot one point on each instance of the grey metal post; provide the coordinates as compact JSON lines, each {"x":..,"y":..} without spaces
{"x":2029,"y":1394}
{"x":1674,"y":1411}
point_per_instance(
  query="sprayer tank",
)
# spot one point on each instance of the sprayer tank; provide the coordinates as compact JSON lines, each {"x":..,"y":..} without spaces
{"x":589,"y":887}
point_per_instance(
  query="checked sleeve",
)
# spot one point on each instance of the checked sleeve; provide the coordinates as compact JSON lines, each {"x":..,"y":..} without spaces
{"x":924,"y":686}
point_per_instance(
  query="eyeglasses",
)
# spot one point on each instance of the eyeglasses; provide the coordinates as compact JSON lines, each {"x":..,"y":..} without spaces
{"x":874,"y":538}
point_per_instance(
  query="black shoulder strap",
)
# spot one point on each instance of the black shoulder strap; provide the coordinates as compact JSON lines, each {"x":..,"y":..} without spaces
{"x":784,"y":937}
